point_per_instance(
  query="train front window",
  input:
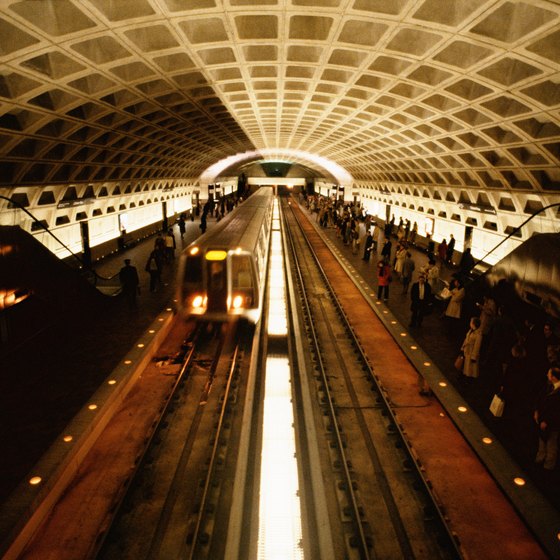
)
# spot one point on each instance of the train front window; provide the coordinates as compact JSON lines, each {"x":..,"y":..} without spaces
{"x":216,"y":276}
{"x":217,"y":285}
{"x":193,"y":270}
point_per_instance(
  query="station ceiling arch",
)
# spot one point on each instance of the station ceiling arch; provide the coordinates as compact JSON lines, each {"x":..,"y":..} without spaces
{"x":462,"y":93}
{"x":278,"y":162}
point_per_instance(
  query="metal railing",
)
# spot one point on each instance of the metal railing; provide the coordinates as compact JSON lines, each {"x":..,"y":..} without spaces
{"x":104,"y":284}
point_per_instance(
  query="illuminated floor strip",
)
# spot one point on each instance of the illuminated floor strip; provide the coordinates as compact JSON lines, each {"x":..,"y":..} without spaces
{"x":280,"y":533}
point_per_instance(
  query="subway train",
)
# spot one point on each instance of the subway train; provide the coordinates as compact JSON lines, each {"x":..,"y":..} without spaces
{"x":221,"y":275}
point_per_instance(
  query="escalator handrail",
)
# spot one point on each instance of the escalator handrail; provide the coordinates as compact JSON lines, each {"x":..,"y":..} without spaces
{"x":80,"y":261}
{"x":512,"y":233}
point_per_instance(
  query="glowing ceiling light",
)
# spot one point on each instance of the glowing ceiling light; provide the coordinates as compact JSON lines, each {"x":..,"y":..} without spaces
{"x":342,"y":176}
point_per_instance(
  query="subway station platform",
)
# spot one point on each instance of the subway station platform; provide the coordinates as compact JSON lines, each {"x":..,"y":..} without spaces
{"x":69,"y":364}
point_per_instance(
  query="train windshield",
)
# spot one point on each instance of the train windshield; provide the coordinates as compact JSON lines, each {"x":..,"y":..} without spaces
{"x":217,"y":285}
{"x":193,"y":270}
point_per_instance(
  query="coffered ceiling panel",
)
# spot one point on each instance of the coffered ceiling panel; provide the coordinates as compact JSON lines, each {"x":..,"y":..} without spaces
{"x":462,"y":93}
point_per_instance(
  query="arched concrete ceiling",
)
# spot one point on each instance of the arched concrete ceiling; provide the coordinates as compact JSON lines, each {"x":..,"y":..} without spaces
{"x":426,"y":92}
{"x":260,"y":167}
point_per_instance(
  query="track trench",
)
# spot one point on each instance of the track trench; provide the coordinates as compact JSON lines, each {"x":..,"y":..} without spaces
{"x":476,"y":510}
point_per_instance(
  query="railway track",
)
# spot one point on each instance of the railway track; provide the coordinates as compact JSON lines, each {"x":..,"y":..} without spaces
{"x":380,"y":506}
{"x":165,"y":512}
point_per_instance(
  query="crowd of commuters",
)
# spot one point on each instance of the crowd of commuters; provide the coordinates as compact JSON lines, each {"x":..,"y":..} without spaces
{"x":497,"y":342}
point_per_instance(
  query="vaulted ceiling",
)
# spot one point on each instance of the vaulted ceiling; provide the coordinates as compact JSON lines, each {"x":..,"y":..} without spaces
{"x":426,"y":92}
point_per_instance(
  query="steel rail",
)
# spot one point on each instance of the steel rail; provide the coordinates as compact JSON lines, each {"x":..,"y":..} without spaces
{"x":214,"y":455}
{"x":316,"y":525}
{"x":388,"y":407}
{"x":178,"y":477}
{"x":140,"y":463}
{"x":362,"y":544}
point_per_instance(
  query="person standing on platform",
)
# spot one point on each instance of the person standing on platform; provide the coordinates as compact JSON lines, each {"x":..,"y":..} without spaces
{"x":442,"y":251}
{"x":153,"y":268}
{"x":386,"y":251}
{"x":547,"y":417}
{"x":455,"y":304}
{"x":400,"y":256}
{"x":159,"y":247}
{"x":407,"y":271}
{"x":432,"y":275}
{"x":182,"y":226}
{"x":130,"y":283}
{"x":421,"y":296}
{"x":466,"y":263}
{"x":368,"y":246}
{"x":413,"y":233}
{"x":203,"y":223}
{"x":170,"y":245}
{"x":407,"y":230}
{"x":450,"y":249}
{"x":383,"y":279}
{"x":471,"y":349}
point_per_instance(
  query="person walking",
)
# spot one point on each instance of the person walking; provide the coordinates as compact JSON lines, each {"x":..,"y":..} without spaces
{"x":421,"y":297}
{"x":128,"y":276}
{"x":383,"y":279}
{"x":547,"y":418}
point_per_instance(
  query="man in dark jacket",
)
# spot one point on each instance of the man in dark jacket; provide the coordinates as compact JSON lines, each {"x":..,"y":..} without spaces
{"x":547,"y":417}
{"x":466,"y":263}
{"x":421,"y":296}
{"x":450,"y":249}
{"x":128,"y":277}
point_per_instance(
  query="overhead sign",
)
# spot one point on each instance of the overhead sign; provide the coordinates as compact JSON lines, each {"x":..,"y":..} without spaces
{"x":72,"y":203}
{"x":477,"y":208}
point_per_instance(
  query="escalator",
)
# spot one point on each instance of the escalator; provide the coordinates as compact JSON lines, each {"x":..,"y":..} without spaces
{"x":38,"y":290}
{"x":527,"y":279}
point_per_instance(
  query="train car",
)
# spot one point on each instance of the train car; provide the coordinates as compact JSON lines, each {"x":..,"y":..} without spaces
{"x":221,"y":275}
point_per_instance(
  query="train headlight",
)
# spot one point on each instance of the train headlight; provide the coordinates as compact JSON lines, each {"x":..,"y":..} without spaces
{"x":197,"y":301}
{"x":237,"y":302}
